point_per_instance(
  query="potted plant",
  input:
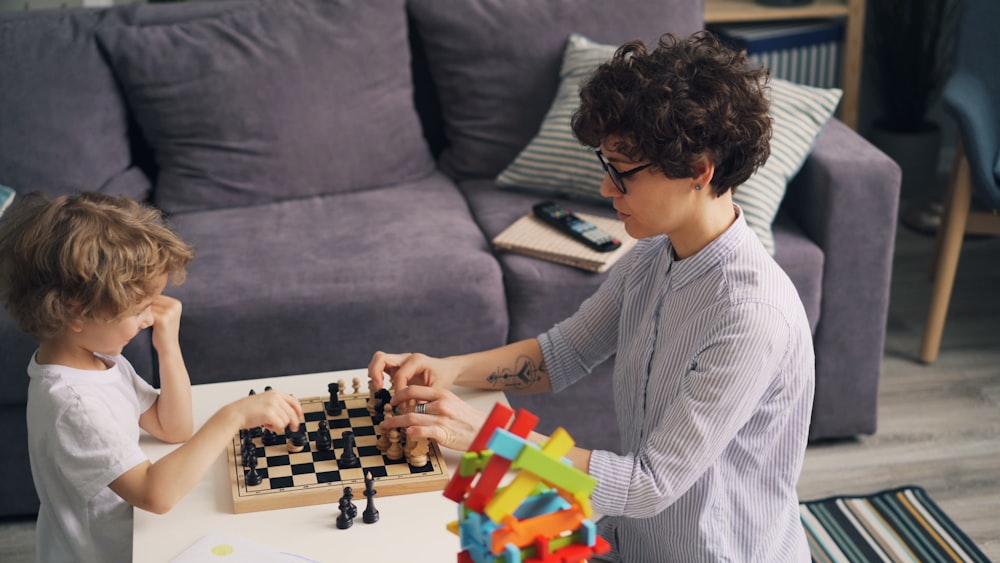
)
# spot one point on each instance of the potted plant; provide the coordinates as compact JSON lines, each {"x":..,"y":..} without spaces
{"x":911,"y":43}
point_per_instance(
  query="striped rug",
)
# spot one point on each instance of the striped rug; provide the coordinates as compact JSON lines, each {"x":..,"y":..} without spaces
{"x":900,"y":524}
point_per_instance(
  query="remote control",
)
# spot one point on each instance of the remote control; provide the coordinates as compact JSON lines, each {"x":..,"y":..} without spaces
{"x":583,"y":231}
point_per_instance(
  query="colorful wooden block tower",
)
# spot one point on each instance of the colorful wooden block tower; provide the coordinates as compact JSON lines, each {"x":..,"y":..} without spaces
{"x":541,"y":516}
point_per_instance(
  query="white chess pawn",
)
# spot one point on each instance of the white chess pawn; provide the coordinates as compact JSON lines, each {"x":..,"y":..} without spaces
{"x":395,"y":451}
{"x":418,"y":449}
{"x":383,"y":440}
{"x":372,"y":401}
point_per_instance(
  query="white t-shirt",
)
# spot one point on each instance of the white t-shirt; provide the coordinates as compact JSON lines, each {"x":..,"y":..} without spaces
{"x":83,"y":433}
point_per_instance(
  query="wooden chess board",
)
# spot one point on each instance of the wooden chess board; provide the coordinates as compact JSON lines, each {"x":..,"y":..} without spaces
{"x":312,"y":476}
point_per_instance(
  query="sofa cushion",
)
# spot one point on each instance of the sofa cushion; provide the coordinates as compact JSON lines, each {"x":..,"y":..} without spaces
{"x":316,"y":284}
{"x":496,"y":63}
{"x":539,"y":293}
{"x":63,"y":124}
{"x":273,"y":100}
{"x":554,"y":162}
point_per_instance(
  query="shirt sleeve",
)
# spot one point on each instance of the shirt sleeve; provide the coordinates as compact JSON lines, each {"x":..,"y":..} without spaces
{"x":92,"y":447}
{"x":574,"y":346}
{"x":739,"y":359}
{"x":145,"y":393}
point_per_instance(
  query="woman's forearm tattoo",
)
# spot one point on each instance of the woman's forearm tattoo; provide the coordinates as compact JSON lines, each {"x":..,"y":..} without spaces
{"x":524,"y":374}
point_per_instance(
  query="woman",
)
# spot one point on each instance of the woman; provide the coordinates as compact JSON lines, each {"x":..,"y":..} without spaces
{"x":714,"y":366}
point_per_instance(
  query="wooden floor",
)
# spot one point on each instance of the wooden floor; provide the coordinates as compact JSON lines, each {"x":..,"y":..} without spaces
{"x":939,"y":425}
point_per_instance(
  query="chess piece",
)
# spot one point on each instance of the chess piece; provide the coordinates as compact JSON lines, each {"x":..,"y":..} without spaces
{"x":348,"y":458}
{"x":394,"y":451}
{"x":383,"y":440}
{"x":333,"y":408}
{"x":345,"y":520}
{"x":370,"y":515}
{"x":247,"y":446}
{"x":382,"y":398}
{"x":323,"y":439}
{"x":270,"y":437}
{"x":253,"y":477}
{"x":296,"y":440}
{"x":356,"y":385}
{"x":372,"y":401}
{"x":418,"y":449}
{"x":352,"y":509}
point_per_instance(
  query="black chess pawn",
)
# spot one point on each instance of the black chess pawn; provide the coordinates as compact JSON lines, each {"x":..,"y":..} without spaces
{"x":270,"y":437}
{"x":347,"y":510}
{"x":333,"y":407}
{"x":247,"y":446}
{"x":370,"y":515}
{"x":323,"y":439}
{"x":253,"y":476}
{"x":296,"y":440}
{"x":352,"y":509}
{"x":382,"y":397}
{"x":349,"y":458}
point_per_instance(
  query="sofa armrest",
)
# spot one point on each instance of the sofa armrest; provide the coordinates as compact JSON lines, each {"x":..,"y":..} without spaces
{"x":845,"y":199}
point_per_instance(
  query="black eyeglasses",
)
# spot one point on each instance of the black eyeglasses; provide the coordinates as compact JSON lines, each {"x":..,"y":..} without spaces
{"x":618,"y":177}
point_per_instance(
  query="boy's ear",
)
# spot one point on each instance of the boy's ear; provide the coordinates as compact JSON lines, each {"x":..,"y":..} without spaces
{"x":76,"y":322}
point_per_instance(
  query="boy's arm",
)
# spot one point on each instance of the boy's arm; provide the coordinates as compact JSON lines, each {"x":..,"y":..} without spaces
{"x":157,"y":487}
{"x":170,"y":418}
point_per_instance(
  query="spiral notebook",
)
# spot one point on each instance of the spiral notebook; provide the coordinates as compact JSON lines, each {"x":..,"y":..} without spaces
{"x":530,"y":236}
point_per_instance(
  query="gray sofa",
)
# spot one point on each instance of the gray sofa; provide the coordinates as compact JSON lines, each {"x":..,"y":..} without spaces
{"x":333,"y":162}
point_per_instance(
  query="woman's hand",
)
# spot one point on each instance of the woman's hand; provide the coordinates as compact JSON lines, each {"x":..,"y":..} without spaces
{"x":411,"y":369}
{"x":446,"y":419}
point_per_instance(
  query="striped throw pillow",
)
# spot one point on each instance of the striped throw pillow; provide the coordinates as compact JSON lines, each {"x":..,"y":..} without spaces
{"x":555,"y":164}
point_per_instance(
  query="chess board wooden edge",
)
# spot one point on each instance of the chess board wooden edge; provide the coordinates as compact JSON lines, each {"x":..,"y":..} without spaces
{"x":327,"y":493}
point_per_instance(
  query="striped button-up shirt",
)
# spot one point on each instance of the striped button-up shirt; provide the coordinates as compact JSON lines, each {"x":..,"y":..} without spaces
{"x":713,"y":391}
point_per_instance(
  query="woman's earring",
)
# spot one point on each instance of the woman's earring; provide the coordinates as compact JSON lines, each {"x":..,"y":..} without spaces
{"x":697,"y":186}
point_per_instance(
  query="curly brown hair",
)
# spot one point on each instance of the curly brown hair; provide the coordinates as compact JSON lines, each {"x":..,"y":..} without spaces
{"x":85,"y":256}
{"x":686,"y":99}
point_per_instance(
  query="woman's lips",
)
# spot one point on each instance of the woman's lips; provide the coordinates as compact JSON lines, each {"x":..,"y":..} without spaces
{"x":622,"y":216}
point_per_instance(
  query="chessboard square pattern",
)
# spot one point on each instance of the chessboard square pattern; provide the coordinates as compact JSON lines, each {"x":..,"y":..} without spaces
{"x":312,"y":475}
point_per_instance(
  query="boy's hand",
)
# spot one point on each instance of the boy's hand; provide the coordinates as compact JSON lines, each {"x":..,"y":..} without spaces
{"x":166,"y":323}
{"x":273,"y":409}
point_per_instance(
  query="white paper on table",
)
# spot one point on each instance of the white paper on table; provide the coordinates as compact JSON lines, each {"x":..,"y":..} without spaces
{"x":230,"y":548}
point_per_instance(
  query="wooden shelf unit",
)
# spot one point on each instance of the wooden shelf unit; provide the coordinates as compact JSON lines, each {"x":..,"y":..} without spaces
{"x":853,"y":12}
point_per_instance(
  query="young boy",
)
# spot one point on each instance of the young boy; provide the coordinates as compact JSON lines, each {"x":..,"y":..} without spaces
{"x":83,"y":274}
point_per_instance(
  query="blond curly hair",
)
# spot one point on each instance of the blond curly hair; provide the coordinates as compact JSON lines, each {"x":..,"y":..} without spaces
{"x":85,"y":256}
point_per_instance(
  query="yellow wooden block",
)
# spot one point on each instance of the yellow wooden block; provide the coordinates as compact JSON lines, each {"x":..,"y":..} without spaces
{"x":505,"y":502}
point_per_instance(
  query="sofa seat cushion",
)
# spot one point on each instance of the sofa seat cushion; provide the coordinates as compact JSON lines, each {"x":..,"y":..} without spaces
{"x":272,"y":100}
{"x":63,"y":123}
{"x":496,"y":64}
{"x":317,"y":284}
{"x":539,"y":293}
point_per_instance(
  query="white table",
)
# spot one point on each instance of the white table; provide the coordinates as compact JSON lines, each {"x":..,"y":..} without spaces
{"x":411,"y":527}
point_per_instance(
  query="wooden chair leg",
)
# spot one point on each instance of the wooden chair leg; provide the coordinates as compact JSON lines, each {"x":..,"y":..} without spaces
{"x":957,"y":165}
{"x":948,"y":247}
